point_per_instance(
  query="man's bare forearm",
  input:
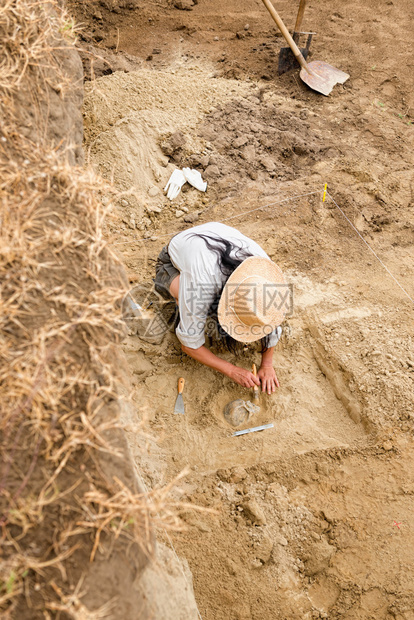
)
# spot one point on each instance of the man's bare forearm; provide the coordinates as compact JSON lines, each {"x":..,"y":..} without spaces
{"x":267,"y":357}
{"x":239,"y":375}
{"x":206,"y":357}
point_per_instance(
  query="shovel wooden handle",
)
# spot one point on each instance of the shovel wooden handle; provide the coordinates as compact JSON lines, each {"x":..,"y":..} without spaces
{"x":181,"y":382}
{"x":276,"y":17}
{"x":299,"y":17}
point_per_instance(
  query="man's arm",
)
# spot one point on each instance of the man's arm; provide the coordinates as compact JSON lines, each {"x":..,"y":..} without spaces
{"x":239,"y":375}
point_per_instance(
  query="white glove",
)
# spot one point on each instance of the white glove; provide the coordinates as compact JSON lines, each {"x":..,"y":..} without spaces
{"x":175,"y":183}
{"x":194,"y":178}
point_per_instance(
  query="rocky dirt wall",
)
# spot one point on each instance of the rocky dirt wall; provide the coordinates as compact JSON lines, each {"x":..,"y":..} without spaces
{"x":76,"y":524}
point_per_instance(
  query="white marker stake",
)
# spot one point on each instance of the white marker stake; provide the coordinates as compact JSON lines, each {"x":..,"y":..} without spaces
{"x":252,"y":430}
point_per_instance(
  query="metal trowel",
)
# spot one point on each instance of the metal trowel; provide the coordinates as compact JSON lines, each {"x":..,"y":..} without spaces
{"x":179,"y":403}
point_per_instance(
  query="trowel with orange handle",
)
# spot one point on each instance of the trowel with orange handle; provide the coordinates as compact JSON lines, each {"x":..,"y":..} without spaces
{"x":179,"y":403}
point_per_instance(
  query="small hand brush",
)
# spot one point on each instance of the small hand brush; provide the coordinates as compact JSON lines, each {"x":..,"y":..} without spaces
{"x":256,"y":388}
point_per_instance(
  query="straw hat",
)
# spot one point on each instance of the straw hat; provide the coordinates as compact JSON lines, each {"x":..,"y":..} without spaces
{"x":253,"y":302}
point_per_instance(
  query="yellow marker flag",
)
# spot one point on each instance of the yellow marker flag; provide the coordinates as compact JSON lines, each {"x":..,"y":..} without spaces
{"x":324,"y":192}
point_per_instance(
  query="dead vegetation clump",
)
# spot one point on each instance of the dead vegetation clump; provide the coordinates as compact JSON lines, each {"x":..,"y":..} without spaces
{"x":61,"y":504}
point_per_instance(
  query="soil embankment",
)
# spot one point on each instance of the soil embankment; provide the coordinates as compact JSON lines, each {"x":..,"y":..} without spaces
{"x":76,"y":525}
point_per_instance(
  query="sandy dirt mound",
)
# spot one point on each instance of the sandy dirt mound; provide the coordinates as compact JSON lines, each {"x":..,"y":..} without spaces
{"x":128,"y":117}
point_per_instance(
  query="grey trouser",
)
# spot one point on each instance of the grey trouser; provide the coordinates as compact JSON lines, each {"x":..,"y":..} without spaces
{"x":165,"y":272}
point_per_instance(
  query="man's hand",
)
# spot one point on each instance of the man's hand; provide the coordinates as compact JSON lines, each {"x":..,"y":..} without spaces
{"x":266,"y":375}
{"x":239,"y":375}
{"x":268,"y":379}
{"x":243,"y":377}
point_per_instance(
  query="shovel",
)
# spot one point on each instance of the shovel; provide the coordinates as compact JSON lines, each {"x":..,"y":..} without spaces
{"x":317,"y":75}
{"x":287,"y":60}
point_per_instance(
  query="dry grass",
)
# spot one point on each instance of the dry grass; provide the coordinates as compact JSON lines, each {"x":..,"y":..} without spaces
{"x":60,"y":309}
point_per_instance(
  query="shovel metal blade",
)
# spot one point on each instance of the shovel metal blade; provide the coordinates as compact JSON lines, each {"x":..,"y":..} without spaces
{"x":287,"y":60}
{"x":322,"y":77}
{"x":179,"y":404}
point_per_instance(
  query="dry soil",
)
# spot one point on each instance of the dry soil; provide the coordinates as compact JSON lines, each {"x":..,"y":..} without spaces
{"x":313,"y":518}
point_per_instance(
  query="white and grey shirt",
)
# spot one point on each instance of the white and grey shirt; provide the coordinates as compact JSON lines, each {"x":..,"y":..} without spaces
{"x":201,"y":279}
